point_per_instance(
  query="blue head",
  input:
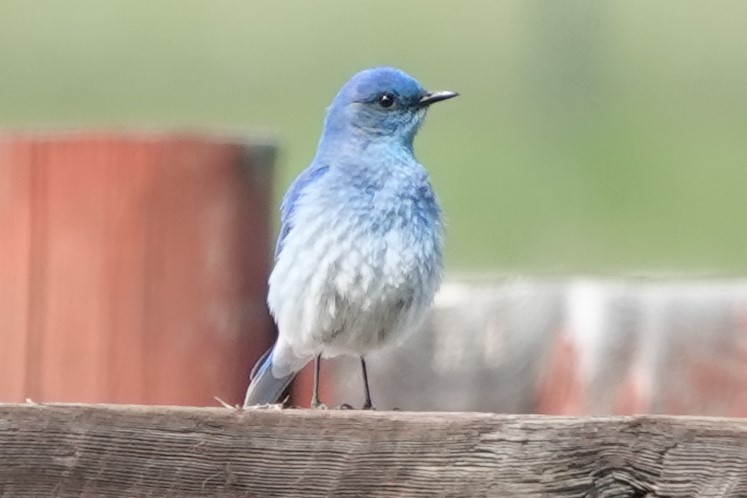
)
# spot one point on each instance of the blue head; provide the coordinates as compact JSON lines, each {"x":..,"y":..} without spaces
{"x":382,"y":105}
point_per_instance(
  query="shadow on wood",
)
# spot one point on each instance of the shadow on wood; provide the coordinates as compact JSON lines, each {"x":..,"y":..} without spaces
{"x":109,"y":450}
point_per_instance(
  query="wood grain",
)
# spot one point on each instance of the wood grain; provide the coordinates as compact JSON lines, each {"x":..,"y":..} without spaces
{"x":133,"y":266}
{"x":110,"y":450}
{"x":566,"y":346}
{"x":16,"y":272}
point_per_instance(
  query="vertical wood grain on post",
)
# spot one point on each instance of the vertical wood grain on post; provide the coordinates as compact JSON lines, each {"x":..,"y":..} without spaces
{"x":135,"y":267}
{"x":15,"y":267}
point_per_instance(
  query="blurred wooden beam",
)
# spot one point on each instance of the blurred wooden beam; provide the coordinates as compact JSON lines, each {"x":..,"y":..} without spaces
{"x":133,"y":266}
{"x":108,"y":450}
{"x":566,"y":346}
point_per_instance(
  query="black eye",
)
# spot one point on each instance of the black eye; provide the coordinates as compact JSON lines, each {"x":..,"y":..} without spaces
{"x":386,"y":100}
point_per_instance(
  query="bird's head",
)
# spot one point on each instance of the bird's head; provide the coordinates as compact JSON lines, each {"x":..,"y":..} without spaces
{"x":380,"y":104}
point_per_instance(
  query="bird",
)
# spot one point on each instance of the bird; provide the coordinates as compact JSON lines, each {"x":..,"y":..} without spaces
{"x":358,"y":258}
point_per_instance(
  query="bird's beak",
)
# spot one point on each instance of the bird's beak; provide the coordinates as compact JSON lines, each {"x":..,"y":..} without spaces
{"x":431,"y":97}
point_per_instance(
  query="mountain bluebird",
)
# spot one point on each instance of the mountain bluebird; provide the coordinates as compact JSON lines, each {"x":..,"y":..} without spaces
{"x":358,"y":258}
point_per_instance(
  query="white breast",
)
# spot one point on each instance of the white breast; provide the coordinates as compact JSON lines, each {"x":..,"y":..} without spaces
{"x":342,"y":287}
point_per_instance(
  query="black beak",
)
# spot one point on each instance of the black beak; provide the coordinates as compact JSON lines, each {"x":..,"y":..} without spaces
{"x":430,"y":98}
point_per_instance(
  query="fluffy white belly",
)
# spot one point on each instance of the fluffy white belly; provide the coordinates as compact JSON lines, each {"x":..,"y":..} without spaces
{"x":351,"y":290}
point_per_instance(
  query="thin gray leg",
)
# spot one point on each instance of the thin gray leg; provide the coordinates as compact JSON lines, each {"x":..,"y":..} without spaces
{"x":367,"y":405}
{"x":315,"y":403}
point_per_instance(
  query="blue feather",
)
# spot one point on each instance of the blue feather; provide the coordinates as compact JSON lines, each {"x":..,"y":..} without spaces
{"x":265,"y":387}
{"x":288,"y":206}
{"x":363,"y":262}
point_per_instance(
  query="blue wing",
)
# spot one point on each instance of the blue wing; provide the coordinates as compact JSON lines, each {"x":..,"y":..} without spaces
{"x":288,"y":206}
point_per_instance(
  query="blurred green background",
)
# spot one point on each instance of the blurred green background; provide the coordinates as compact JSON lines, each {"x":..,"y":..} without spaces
{"x":590,"y":136}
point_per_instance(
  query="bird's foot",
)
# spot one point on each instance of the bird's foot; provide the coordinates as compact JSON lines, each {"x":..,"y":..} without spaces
{"x":368,"y":406}
{"x":344,"y":406}
{"x":318,"y":405}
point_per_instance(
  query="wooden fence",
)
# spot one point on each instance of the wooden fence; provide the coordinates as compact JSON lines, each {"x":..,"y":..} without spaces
{"x":567,"y":346}
{"x":109,"y":450}
{"x":133,"y":266}
{"x":133,"y":269}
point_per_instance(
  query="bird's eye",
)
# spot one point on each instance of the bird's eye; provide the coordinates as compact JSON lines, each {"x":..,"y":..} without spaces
{"x":386,"y":100}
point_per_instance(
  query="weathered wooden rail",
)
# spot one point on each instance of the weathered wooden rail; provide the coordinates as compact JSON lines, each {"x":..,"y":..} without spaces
{"x":121,"y":450}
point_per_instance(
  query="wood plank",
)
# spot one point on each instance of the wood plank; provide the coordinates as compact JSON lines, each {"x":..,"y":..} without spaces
{"x":208,"y":244}
{"x":568,"y":345}
{"x":125,"y":273}
{"x":133,"y":267}
{"x":100,"y":450}
{"x":76,"y":216}
{"x":16,"y":186}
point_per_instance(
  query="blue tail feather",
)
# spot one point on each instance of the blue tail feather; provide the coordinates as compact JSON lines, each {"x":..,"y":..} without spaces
{"x":264,"y":387}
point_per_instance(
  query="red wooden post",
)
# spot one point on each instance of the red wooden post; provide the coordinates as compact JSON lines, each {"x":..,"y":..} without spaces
{"x":132,"y":267}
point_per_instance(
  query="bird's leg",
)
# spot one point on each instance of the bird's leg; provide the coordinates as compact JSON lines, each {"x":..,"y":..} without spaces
{"x":367,"y":405}
{"x":315,"y":403}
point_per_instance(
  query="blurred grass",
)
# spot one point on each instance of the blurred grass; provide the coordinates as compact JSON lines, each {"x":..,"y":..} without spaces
{"x":590,"y":136}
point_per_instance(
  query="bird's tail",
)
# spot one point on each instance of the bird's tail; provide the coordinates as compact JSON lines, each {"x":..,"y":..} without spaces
{"x":265,"y":387}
